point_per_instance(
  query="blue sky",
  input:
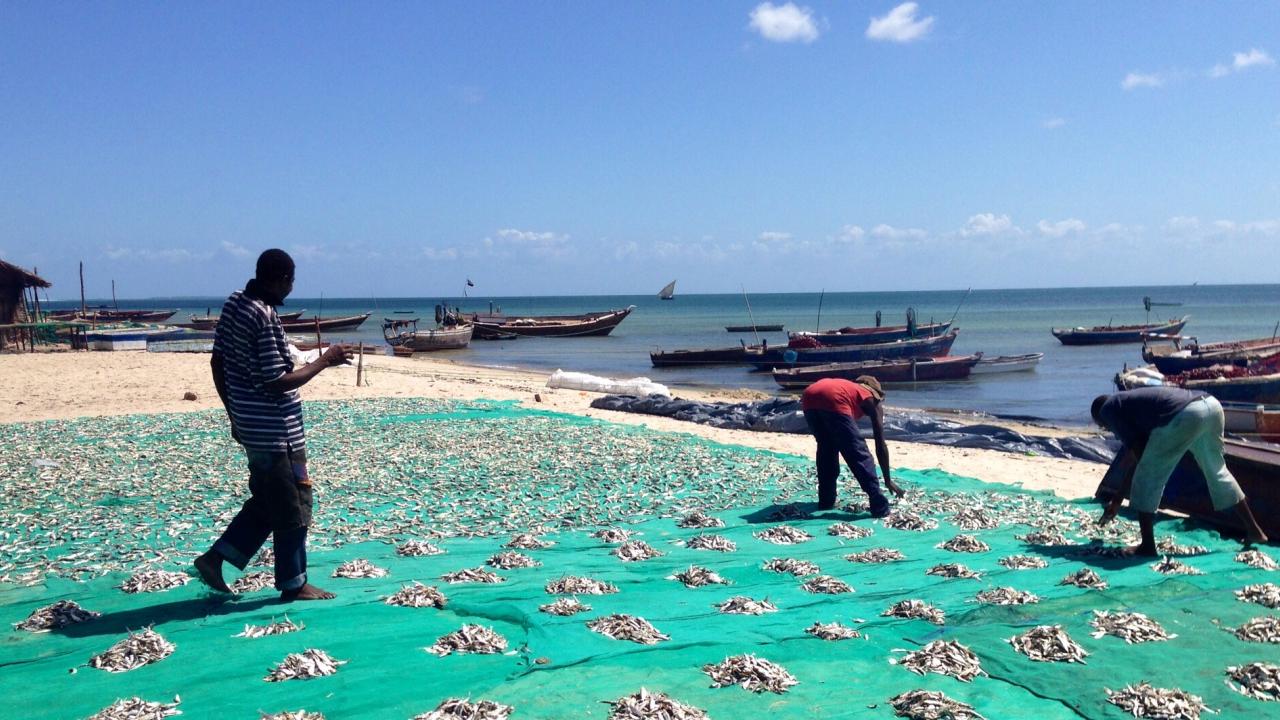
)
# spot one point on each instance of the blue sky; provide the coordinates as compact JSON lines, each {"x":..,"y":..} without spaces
{"x":597,"y":147}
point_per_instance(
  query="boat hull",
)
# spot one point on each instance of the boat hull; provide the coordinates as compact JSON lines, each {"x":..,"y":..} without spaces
{"x":808,"y":357}
{"x":440,"y":339}
{"x":337,"y":324}
{"x":589,"y":325}
{"x":1103,"y":335}
{"x":1172,"y":361}
{"x":872,"y":335}
{"x":749,"y":328}
{"x":886,"y":371}
{"x":738,"y":355}
{"x":1007,"y":363}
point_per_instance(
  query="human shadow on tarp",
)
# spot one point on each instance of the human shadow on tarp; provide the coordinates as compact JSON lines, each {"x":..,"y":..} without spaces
{"x":1097,"y":555}
{"x":800,"y":511}
{"x":124,"y":621}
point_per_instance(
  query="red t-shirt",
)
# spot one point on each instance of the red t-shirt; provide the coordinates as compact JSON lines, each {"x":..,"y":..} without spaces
{"x":836,"y":395}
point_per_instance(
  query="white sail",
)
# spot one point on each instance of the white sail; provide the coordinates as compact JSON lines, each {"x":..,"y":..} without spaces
{"x":669,"y":291}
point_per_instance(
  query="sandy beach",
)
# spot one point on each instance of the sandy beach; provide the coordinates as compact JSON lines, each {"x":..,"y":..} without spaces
{"x":62,"y":385}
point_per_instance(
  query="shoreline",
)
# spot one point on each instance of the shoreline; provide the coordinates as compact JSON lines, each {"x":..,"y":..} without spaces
{"x":64,"y":385}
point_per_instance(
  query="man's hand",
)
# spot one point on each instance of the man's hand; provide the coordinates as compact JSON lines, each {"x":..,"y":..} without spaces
{"x":335,"y":355}
{"x":1113,"y":508}
{"x":893,"y":488}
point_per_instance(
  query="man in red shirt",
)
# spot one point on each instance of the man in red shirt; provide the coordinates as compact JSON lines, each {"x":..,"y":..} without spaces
{"x":832,"y":407}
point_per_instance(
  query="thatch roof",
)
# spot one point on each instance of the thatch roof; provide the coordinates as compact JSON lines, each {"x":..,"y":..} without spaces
{"x":25,"y":279}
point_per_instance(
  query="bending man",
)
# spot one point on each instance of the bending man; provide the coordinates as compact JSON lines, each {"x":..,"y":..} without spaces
{"x":832,"y":407}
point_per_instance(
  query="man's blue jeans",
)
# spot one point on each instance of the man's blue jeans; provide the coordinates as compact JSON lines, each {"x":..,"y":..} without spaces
{"x":279,"y":505}
{"x":837,"y":435}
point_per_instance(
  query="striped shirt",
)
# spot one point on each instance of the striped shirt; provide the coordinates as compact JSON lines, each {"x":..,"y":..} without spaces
{"x":254,"y":352}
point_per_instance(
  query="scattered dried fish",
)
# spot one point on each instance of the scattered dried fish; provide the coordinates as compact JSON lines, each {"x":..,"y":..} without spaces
{"x":699,"y":519}
{"x":472,"y":575}
{"x":511,"y":560}
{"x":1132,"y":627}
{"x":275,"y":628}
{"x":574,"y":585}
{"x":459,"y":709}
{"x":784,"y":535}
{"x":646,"y":705}
{"x":135,"y":708}
{"x":799,"y":568}
{"x":359,"y":568}
{"x":1023,"y":562}
{"x":928,"y":705}
{"x":876,"y":555}
{"x":752,"y":673}
{"x":718,"y":543}
{"x":1264,"y":594}
{"x":308,"y":664}
{"x":564,"y":607}
{"x":849,"y":530}
{"x":832,"y":631}
{"x":903,"y":520}
{"x":827,"y":585}
{"x":1169,"y":546}
{"x":972,"y":518}
{"x":1260,"y":681}
{"x":1144,"y":701}
{"x":743,"y":605}
{"x":418,"y":595}
{"x":953,"y":570}
{"x":1045,"y":537}
{"x":253,"y":582}
{"x":293,"y":715}
{"x":915,"y":610}
{"x":944,"y":657}
{"x":154,"y":581}
{"x":528,"y":541}
{"x":475,"y":639}
{"x":697,"y":576}
{"x":1006,"y":596}
{"x":627,"y":627}
{"x":1260,"y":629}
{"x":141,"y":648}
{"x":612,"y":535}
{"x":1256,"y":558}
{"x":1169,"y":566}
{"x":1085,"y":578}
{"x":1048,"y":643}
{"x":418,"y":548}
{"x":56,"y":616}
{"x":964,"y":544}
{"x":635,"y":551}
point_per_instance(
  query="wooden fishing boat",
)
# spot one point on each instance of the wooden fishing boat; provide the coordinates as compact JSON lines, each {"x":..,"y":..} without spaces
{"x":334,"y":324}
{"x":737,"y":355}
{"x":209,"y":322}
{"x":1252,"y":421}
{"x":869,"y":335}
{"x":106,"y":316}
{"x":1007,"y":363}
{"x":1113,"y":334}
{"x":1256,"y":383}
{"x":907,"y":370}
{"x":1174,"y":357}
{"x":808,"y":357}
{"x":405,"y":333}
{"x":586,"y":325}
{"x":753,"y":328}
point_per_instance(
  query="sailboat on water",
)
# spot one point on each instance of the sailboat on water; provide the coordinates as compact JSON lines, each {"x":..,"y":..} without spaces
{"x":668,"y":292}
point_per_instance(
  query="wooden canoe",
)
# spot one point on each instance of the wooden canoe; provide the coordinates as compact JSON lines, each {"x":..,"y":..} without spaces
{"x":928,"y":369}
{"x":587,"y":325}
{"x":1173,"y":358}
{"x":753,"y":328}
{"x":1113,"y":334}
{"x":333,"y":324}
{"x":870,"y":335}
{"x":735,"y":355}
{"x":807,"y":357}
{"x":1007,"y":363}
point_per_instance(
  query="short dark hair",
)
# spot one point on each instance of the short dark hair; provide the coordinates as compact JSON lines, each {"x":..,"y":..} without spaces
{"x":274,"y":264}
{"x":1096,"y":409}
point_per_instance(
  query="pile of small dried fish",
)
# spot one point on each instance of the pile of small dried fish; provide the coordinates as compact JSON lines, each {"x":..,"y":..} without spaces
{"x":475,"y":639}
{"x":293,"y":715}
{"x":953,"y":570}
{"x":528,"y":541}
{"x":826,"y":585}
{"x":784,"y":535}
{"x":635,"y":551}
{"x":1046,"y":537}
{"x":972,"y":518}
{"x":1023,"y":562}
{"x":308,"y":664}
{"x":141,"y":648}
{"x":646,"y":705}
{"x":964,"y":544}
{"x":1144,"y":701}
{"x":1085,"y":578}
{"x":1260,"y":629}
{"x":1169,"y":566}
{"x":832,"y":631}
{"x":743,"y":605}
{"x":699,"y":519}
{"x":1048,"y":643}
{"x":697,"y":576}
{"x":154,"y":581}
{"x":253,"y":582}
{"x":928,"y":705}
{"x":135,"y":708}
{"x":418,"y":595}
{"x":359,"y":568}
{"x":799,"y":568}
{"x":1264,"y":594}
{"x":1260,"y":681}
{"x":56,"y":616}
{"x":459,"y":709}
{"x":848,"y":530}
{"x":752,"y":673}
{"x":876,"y":555}
{"x":1132,"y":627}
{"x":275,"y":628}
{"x":627,"y":627}
{"x":564,"y":607}
{"x":719,"y":543}
{"x":909,"y":521}
{"x":1256,"y":558}
{"x":1169,"y":546}
{"x":1006,"y":596}
{"x":944,"y":657}
{"x":790,"y":511}
{"x":472,"y":575}
{"x":418,"y":548}
{"x":612,"y":535}
{"x":916,"y":609}
{"x":511,"y":560}
{"x":574,"y":585}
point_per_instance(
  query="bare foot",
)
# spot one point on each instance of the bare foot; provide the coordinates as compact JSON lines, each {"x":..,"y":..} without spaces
{"x":306,"y":592}
{"x":209,"y":567}
{"x":1257,"y":538}
{"x":1139,"y":551}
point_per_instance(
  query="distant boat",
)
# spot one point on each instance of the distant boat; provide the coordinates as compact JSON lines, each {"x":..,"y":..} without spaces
{"x":668,"y":292}
{"x":806,"y":357}
{"x":1112,"y":334}
{"x":904,"y":370}
{"x":1007,"y":363}
{"x":735,"y":355}
{"x":405,"y":333}
{"x":337,"y":324}
{"x":586,"y":325}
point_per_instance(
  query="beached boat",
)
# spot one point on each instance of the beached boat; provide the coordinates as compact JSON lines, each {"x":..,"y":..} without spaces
{"x":1113,"y":334}
{"x":106,"y":316}
{"x":1256,"y":383}
{"x":907,"y":370}
{"x":119,"y":338}
{"x":753,"y":328}
{"x":1253,"y":421}
{"x":1007,"y":363}
{"x":209,"y":322}
{"x":807,"y":357}
{"x":334,"y":324}
{"x":405,"y":333}
{"x":736,"y":355}
{"x":869,"y":335}
{"x":585,"y":325}
{"x":668,"y":292}
{"x":1175,"y":357}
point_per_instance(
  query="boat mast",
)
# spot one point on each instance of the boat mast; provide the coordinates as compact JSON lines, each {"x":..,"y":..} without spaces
{"x":750,"y":315}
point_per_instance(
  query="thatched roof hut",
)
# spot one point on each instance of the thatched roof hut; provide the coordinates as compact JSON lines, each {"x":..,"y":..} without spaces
{"x":13,"y":283}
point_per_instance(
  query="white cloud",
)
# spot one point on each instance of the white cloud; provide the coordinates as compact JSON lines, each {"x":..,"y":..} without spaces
{"x":1219,"y":70}
{"x":1137,"y":80}
{"x":1060,"y":228}
{"x":784,"y":23}
{"x":1053,"y":123}
{"x":988,"y":224}
{"x":851,"y":233}
{"x":1253,"y":58}
{"x":900,"y":25}
{"x":889,"y":232}
{"x":508,"y":241}
{"x":234,"y":250}
{"x":627,"y":250}
{"x":770,"y":236}
{"x":169,"y":255}
{"x":309,"y":252}
{"x":434,"y":253}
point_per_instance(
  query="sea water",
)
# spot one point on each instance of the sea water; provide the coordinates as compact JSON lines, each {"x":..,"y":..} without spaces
{"x":994,"y":322}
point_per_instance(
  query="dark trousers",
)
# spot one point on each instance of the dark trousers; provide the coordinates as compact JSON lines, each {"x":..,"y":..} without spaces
{"x":279,"y":505}
{"x":837,"y":435}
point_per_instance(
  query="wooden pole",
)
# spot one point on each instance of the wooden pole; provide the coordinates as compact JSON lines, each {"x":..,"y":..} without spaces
{"x":35,"y":293}
{"x":113,"y":295}
{"x":360,"y":366}
{"x":318,"y":333}
{"x":82,"y":307}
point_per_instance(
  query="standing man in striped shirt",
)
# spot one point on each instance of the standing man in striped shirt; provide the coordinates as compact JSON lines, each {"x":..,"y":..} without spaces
{"x":258,"y":385}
